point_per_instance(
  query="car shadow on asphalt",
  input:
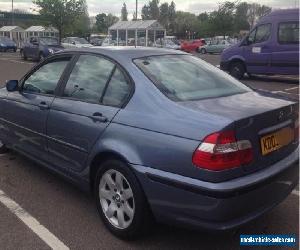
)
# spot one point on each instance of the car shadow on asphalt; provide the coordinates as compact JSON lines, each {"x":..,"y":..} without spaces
{"x":75,"y":212}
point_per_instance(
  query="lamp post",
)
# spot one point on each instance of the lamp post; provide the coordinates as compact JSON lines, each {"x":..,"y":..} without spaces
{"x":12,"y":12}
{"x":136,"y":9}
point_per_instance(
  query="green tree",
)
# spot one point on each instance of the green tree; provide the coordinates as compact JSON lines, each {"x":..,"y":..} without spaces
{"x":185,"y":24}
{"x":164,"y":15}
{"x":103,"y":22}
{"x":154,"y":9}
{"x":61,"y":14}
{"x":172,"y":16}
{"x":146,"y":12}
{"x":222,"y":20}
{"x":256,"y":11}
{"x":124,"y":12}
{"x":240,"y":20}
{"x":81,"y":26}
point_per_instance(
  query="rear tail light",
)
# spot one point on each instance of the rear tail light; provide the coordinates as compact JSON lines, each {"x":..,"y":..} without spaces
{"x":220,"y":151}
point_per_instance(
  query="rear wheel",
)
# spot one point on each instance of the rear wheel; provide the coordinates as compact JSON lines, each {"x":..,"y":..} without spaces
{"x":237,"y":70}
{"x":23,"y":55}
{"x":120,"y":200}
{"x":3,"y":149}
{"x":203,"y":51}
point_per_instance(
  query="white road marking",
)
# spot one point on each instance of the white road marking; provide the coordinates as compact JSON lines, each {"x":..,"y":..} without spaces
{"x":50,"y":239}
{"x":291,"y":88}
{"x":295,"y":192}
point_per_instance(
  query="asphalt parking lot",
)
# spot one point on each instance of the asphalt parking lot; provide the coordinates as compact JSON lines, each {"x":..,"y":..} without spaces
{"x":39,"y":209}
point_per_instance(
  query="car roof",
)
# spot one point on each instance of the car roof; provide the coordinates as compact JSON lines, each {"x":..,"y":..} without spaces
{"x":285,"y":14}
{"x":119,"y":52}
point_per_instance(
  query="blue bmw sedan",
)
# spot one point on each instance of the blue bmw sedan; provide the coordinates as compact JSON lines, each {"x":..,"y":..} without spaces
{"x":155,"y":134}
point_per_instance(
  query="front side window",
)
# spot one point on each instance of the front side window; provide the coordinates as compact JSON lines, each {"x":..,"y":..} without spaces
{"x":263,"y":33}
{"x":288,"y":32}
{"x":187,"y":78}
{"x":88,"y":78}
{"x":45,"y":79}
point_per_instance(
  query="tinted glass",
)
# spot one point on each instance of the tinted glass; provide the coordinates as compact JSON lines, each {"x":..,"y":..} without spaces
{"x":251,"y":36}
{"x":80,"y":41}
{"x":45,"y":79}
{"x":288,"y":32}
{"x":263,"y":33}
{"x":48,"y":41}
{"x":117,"y":90}
{"x":88,"y":78}
{"x":185,"y":77}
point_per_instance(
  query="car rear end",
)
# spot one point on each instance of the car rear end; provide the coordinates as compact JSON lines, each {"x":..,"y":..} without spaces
{"x":236,"y":172}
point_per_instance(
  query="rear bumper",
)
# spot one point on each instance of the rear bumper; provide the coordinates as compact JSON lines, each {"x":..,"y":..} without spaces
{"x":218,"y":206}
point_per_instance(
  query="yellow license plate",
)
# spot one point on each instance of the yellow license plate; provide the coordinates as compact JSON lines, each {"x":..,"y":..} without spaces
{"x":276,"y":140}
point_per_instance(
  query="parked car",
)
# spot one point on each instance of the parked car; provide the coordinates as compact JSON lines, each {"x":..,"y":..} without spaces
{"x":96,"y":41}
{"x":38,"y":48}
{"x":272,"y":47}
{"x":166,"y":43}
{"x":154,"y":132}
{"x":214,"y":47}
{"x":190,"y":46}
{"x":7,"y":44}
{"x":75,"y":42}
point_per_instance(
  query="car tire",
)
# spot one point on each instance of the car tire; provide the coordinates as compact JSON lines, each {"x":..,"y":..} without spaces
{"x":41,"y":57}
{"x":3,"y":148}
{"x":203,"y":51}
{"x":23,"y":55}
{"x":126,"y":216}
{"x":237,"y":70}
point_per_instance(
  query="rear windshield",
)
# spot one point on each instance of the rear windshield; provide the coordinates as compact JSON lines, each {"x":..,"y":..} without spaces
{"x":187,"y":78}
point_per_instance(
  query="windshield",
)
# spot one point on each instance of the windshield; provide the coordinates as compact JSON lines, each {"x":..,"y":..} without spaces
{"x":48,"y":41}
{"x":81,"y":41}
{"x":187,"y":78}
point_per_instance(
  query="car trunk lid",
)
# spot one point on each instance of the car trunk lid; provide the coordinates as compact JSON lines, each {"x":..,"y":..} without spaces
{"x":256,"y":116}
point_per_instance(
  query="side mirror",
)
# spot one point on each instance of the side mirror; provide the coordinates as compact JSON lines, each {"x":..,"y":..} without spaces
{"x":73,"y":43}
{"x":12,"y":85}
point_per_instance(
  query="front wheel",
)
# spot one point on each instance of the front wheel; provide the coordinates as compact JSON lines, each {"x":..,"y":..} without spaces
{"x":3,"y":149}
{"x":120,"y":200}
{"x":237,"y":70}
{"x":203,"y":51}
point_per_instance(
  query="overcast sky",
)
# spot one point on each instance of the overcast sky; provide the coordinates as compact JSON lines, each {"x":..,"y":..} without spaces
{"x":114,"y":6}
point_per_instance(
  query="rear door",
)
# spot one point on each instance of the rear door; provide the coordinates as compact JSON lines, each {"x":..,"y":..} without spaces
{"x":92,"y":96}
{"x":26,"y":110}
{"x":257,"y":53}
{"x":285,"y":53}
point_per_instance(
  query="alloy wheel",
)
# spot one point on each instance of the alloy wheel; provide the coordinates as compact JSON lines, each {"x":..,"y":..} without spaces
{"x":116,"y":199}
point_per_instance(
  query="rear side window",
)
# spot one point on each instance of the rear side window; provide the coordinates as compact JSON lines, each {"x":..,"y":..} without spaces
{"x":288,"y":32}
{"x":187,"y":78}
{"x":117,"y":91}
{"x":263,"y":33}
{"x":88,"y":78}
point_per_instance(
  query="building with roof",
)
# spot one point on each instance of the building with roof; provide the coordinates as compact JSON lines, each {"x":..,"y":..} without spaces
{"x":41,"y":31}
{"x":139,"y":33}
{"x":16,"y":33}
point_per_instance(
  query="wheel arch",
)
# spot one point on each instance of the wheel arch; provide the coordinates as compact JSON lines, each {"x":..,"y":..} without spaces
{"x":237,"y":59}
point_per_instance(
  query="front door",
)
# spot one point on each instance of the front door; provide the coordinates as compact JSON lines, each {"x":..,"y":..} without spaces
{"x":26,"y":110}
{"x":84,"y":110}
{"x":257,"y":53}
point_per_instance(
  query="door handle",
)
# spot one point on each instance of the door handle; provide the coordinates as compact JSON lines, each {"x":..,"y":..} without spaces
{"x":43,"y":106}
{"x":98,"y":117}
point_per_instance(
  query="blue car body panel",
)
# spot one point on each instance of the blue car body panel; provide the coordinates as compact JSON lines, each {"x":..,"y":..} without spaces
{"x":157,"y":138}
